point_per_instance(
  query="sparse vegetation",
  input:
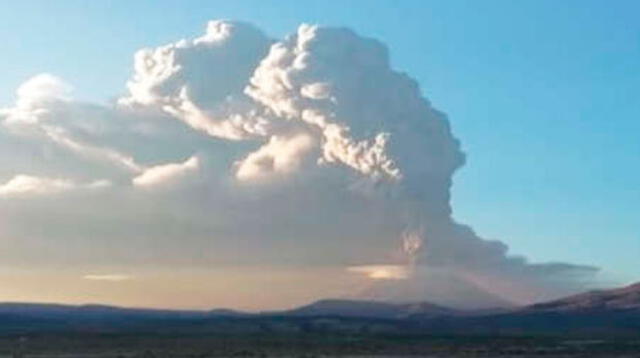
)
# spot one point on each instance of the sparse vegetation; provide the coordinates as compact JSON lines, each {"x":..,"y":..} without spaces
{"x":306,"y":346}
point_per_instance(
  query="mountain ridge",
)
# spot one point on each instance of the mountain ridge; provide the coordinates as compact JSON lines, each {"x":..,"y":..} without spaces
{"x":601,"y":312}
{"x":623,"y":298}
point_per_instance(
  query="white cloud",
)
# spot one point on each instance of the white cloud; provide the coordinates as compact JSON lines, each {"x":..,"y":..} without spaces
{"x":166,"y":173}
{"x":29,"y":186}
{"x":44,"y":110}
{"x":60,"y":136}
{"x":279,"y":156}
{"x":294,"y":83}
{"x":200,"y":81}
{"x":26,"y":185}
{"x":42,"y":88}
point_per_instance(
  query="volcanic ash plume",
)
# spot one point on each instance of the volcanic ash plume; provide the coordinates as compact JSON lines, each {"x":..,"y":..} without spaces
{"x":411,"y":245}
{"x":309,"y":150}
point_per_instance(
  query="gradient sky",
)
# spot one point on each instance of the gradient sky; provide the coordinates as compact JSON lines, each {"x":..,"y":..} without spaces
{"x":542,"y":94}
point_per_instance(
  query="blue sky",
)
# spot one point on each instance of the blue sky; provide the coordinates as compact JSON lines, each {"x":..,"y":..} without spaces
{"x":542,"y":94}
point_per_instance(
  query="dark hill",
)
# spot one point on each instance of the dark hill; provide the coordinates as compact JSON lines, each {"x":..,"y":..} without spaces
{"x":626,"y":298}
{"x":369,"y":309}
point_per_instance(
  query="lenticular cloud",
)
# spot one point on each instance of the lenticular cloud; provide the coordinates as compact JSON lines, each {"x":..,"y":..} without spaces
{"x":235,"y":148}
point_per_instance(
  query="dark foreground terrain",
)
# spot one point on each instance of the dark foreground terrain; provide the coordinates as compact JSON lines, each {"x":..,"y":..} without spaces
{"x":594,"y":324}
{"x":308,"y":346}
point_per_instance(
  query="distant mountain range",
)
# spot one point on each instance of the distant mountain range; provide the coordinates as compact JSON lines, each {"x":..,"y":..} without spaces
{"x":603,"y":312}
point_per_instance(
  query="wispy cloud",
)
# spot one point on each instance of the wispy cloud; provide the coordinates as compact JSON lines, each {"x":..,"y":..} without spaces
{"x":108,"y":277}
{"x":382,"y":272}
{"x":28,"y":186}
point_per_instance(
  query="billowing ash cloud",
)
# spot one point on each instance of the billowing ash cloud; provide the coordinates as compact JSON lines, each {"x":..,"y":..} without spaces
{"x":237,"y":149}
